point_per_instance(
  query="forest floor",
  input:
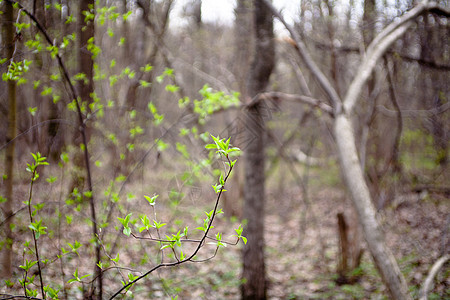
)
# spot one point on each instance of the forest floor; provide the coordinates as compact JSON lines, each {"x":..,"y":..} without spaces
{"x":301,"y":238}
{"x":302,"y":249}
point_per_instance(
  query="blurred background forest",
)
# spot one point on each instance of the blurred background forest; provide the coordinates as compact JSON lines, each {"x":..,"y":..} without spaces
{"x":121,"y":97}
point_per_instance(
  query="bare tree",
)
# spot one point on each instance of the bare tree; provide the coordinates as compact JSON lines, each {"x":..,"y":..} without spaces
{"x":8,"y":33}
{"x":254,"y":286}
{"x":343,"y":112}
{"x":85,"y":33}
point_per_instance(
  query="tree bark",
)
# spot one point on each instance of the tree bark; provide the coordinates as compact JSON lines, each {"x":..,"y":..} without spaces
{"x":359,"y":191}
{"x":344,"y":246}
{"x":254,"y":286}
{"x":345,"y":138}
{"x":7,"y":253}
{"x":86,"y":32}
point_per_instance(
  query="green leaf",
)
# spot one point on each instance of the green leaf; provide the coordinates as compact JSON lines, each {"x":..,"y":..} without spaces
{"x":125,"y":220}
{"x":127,"y":231}
{"x":144,"y":83}
{"x":158,"y":225}
{"x":151,"y":200}
{"x":116,"y":260}
{"x":146,"y":68}
{"x":127,"y":15}
{"x":172,"y":88}
{"x":32,"y":110}
{"x":28,"y":265}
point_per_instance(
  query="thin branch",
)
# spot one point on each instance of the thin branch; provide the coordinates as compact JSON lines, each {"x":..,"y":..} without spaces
{"x":202,"y":74}
{"x":398,"y":134}
{"x":324,"y":83}
{"x":300,"y":77}
{"x":439,"y":66}
{"x":197,"y":249}
{"x":12,"y":215}
{"x":7,"y":297}
{"x":429,"y":280}
{"x":82,"y":129}
{"x":411,"y":113}
{"x":160,"y":43}
{"x":408,"y":16}
{"x":367,"y":65}
{"x":376,"y":49}
{"x":33,"y":233}
{"x":182,"y":241}
{"x":279,"y":96}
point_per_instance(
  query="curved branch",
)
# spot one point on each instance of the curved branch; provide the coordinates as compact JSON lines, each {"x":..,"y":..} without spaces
{"x":197,"y":249}
{"x":429,"y":280}
{"x":82,"y":129}
{"x":377,"y":48}
{"x":408,"y":16}
{"x":279,"y":96}
{"x":367,"y":65}
{"x":411,"y":113}
{"x":324,"y":83}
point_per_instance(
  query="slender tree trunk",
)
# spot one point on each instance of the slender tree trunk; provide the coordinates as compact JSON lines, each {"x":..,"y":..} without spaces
{"x":86,"y":33}
{"x":8,"y":34}
{"x":242,"y":30}
{"x":344,"y":247}
{"x":232,"y":200}
{"x":333,"y":53}
{"x":345,"y":140}
{"x":254,"y":286}
{"x":354,"y":178}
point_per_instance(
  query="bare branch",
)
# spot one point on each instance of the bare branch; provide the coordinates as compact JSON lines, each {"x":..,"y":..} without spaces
{"x":439,"y":66}
{"x":367,"y":65}
{"x":377,"y":48}
{"x":202,"y":74}
{"x":278,"y":96}
{"x":410,"y":113}
{"x":324,"y":83}
{"x":189,"y":258}
{"x":440,"y":11}
{"x":388,"y":30}
{"x":429,"y":280}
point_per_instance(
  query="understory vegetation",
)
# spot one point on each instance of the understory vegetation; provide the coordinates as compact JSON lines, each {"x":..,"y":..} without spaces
{"x":127,"y":141}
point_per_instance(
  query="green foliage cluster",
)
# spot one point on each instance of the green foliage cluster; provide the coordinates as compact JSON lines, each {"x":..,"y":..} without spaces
{"x":71,"y":214}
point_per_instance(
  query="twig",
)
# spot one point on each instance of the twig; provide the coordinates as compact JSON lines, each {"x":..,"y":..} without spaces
{"x":394,"y":159}
{"x":324,"y":83}
{"x":197,"y":249}
{"x":423,"y":294}
{"x":82,"y":129}
{"x":377,"y":48}
{"x":34,"y":234}
{"x":410,"y":113}
{"x":279,"y":96}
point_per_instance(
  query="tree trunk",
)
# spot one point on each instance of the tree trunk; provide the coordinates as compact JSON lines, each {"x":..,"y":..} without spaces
{"x":232,"y":200}
{"x":254,"y":286}
{"x":345,"y":139}
{"x":354,"y":178}
{"x":7,"y":253}
{"x":344,"y":247}
{"x":86,"y":33}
